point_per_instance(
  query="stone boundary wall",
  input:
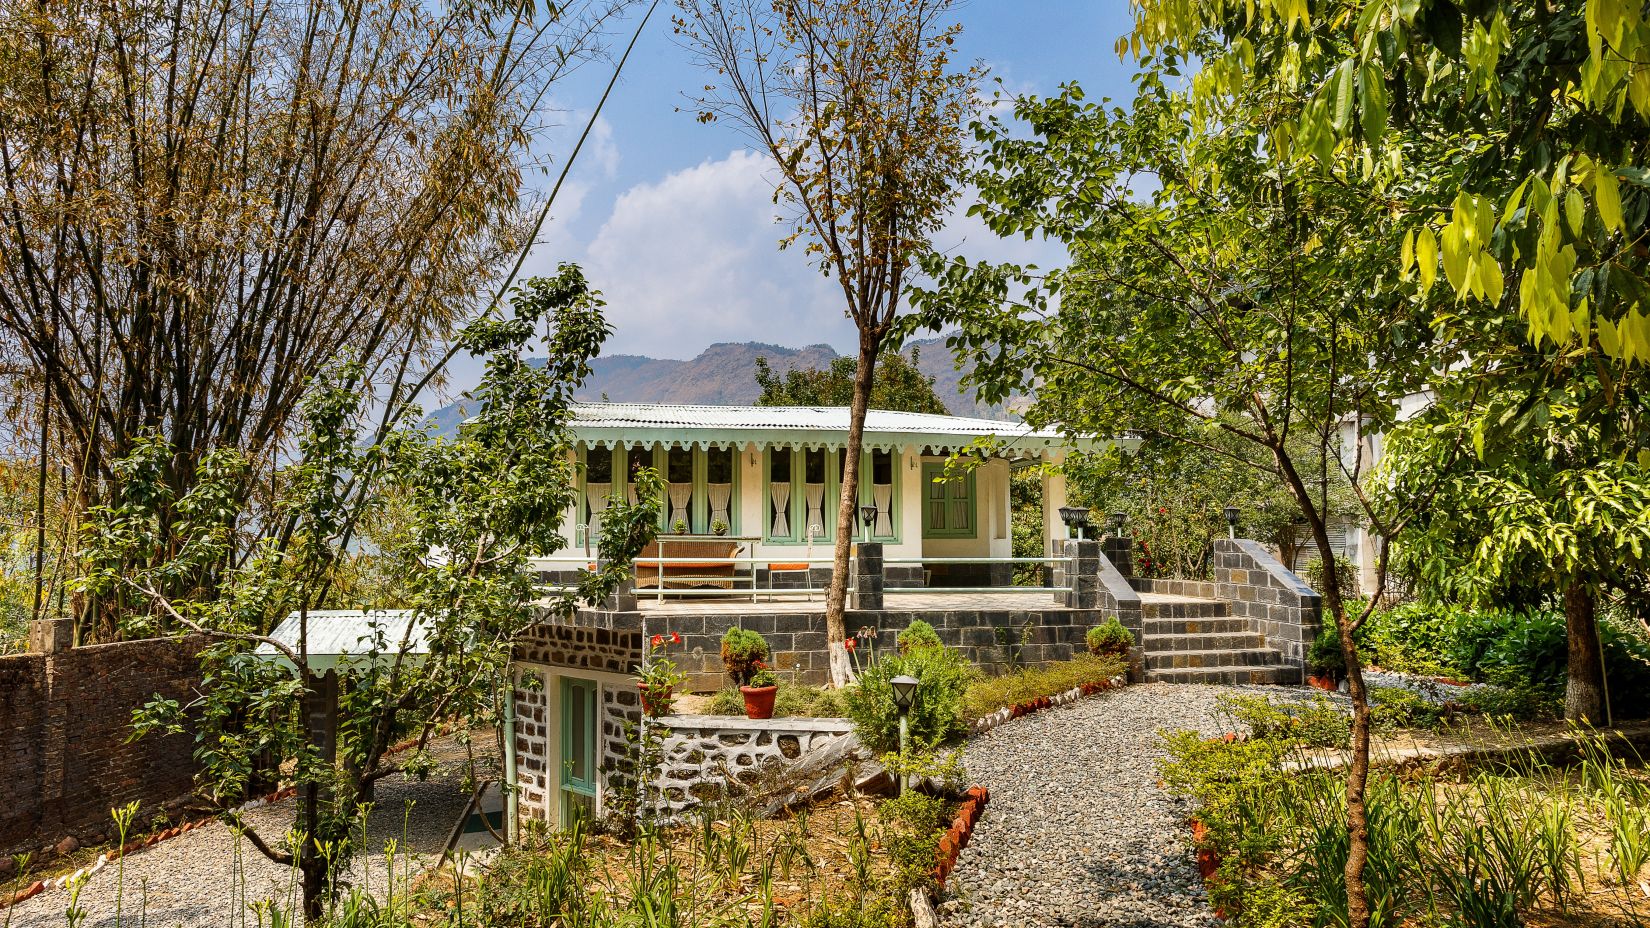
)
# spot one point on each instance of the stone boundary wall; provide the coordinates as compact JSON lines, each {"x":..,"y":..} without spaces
{"x":66,"y":757}
{"x":1277,"y":603}
{"x":1198,"y":589}
{"x":702,"y":752}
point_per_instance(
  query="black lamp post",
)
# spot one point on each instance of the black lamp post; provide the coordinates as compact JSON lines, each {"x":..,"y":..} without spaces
{"x":1231,"y":513}
{"x":868,"y":515}
{"x":905,"y":696}
{"x":1117,"y":520}
{"x":1075,"y":518}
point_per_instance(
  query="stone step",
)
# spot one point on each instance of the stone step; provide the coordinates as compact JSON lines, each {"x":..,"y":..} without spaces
{"x":1152,"y":627}
{"x":1180,"y":607}
{"x":1276,"y":674}
{"x":1244,"y":657}
{"x":1215,"y":641}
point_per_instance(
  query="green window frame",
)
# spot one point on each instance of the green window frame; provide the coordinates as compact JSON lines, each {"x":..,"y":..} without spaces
{"x":659,"y":459}
{"x":579,"y":708}
{"x":867,"y":495}
{"x":948,"y":506}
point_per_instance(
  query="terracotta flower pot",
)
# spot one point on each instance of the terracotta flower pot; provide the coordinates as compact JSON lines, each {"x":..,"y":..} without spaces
{"x":758,"y":701}
{"x":1323,"y":683}
{"x":655,"y":703}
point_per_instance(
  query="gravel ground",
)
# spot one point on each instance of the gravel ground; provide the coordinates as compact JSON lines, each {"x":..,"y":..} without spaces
{"x":1077,"y":833}
{"x":207,"y":878}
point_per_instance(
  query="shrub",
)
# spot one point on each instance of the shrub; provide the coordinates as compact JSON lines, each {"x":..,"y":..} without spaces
{"x":918,"y":634}
{"x":763,"y":678}
{"x":1520,"y":702}
{"x":1109,"y":637}
{"x":1316,"y":722}
{"x":988,"y":694}
{"x":1393,"y":707}
{"x":792,"y":701}
{"x":1345,"y":572}
{"x":937,"y":717}
{"x":743,"y":654}
{"x":1324,"y":657}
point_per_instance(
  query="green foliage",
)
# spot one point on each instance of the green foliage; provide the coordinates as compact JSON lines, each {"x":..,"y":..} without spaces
{"x":1109,"y":638}
{"x":914,"y":822}
{"x":897,"y":384}
{"x":792,"y":701}
{"x":936,"y":718}
{"x":918,"y":634}
{"x":1316,"y":722}
{"x":1325,"y":656}
{"x":988,"y":694}
{"x":744,"y":652}
{"x":764,"y":678}
{"x":1393,"y":707}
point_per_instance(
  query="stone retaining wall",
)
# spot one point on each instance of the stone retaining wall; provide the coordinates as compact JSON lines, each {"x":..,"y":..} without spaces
{"x":703,"y":753}
{"x":66,"y":752}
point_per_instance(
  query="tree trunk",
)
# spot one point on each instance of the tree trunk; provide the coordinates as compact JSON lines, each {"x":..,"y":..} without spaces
{"x":836,"y":599}
{"x":1357,"y":772}
{"x":1584,"y":683}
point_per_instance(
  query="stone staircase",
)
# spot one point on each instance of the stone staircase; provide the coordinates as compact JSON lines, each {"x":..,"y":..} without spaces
{"x":1188,"y":639}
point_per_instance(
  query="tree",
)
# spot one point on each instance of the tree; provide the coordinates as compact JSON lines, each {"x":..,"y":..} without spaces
{"x":477,"y":507}
{"x":898,"y":384}
{"x":1215,"y":298}
{"x":1511,"y":137}
{"x":207,"y":204}
{"x":854,"y":102}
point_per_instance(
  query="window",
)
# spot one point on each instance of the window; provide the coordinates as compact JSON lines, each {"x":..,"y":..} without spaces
{"x":679,"y":494}
{"x":779,"y":493}
{"x":598,"y":487}
{"x":635,"y":460}
{"x":881,"y":493}
{"x":947,"y":505}
{"x":719,"y":487}
{"x":813,"y":525}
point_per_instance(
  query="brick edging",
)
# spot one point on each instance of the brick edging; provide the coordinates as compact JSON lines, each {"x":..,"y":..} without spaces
{"x":959,"y":834}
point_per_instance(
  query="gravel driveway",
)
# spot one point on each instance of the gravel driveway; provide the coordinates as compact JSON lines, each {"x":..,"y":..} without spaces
{"x":207,"y":878}
{"x":1077,"y":833}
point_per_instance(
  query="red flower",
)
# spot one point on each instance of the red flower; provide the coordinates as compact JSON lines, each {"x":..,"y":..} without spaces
{"x":658,"y":640}
{"x":849,"y":644}
{"x":760,"y":664}
{"x":675,"y":638}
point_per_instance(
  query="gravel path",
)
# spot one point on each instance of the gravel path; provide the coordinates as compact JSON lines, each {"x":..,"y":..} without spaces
{"x":1077,"y":833}
{"x":207,"y":878}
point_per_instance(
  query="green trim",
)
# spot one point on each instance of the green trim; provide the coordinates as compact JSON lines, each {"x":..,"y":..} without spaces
{"x":954,"y":496}
{"x":570,"y":782}
{"x":865,"y":496}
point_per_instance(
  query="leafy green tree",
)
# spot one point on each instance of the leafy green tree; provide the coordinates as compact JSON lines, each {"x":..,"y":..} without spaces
{"x":898,"y":384}
{"x":477,"y":507}
{"x":858,"y":107}
{"x":1229,"y":297}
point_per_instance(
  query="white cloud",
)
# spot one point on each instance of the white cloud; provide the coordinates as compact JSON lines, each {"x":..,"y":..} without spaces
{"x":694,"y":259}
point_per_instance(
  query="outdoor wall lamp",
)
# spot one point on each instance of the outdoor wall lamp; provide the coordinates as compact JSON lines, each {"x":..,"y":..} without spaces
{"x":1231,"y":513}
{"x":1075,"y":518}
{"x":1117,"y":520}
{"x":868,"y":515}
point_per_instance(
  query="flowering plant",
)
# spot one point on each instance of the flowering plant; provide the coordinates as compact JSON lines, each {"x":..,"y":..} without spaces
{"x":659,"y":676}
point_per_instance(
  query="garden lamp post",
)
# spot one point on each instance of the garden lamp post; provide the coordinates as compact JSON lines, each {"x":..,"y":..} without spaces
{"x":868,"y":515}
{"x":905,"y":696}
{"x":1117,"y":520}
{"x":1075,"y":518}
{"x":1231,"y":513}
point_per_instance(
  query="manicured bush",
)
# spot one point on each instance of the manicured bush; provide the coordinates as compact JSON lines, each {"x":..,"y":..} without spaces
{"x":1324,"y":657}
{"x":1316,"y":722}
{"x":744,"y":652}
{"x":937,"y":717}
{"x":918,"y":634}
{"x":1109,"y":637}
{"x":1393,"y":707}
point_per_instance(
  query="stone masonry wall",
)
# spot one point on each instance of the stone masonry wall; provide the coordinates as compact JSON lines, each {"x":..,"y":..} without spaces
{"x":66,"y":754}
{"x":608,"y":650}
{"x":1278,"y":603}
{"x":533,"y":750}
{"x":703,"y":752}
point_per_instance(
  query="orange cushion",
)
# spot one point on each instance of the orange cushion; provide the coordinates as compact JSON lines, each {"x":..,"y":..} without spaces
{"x":787,"y":566}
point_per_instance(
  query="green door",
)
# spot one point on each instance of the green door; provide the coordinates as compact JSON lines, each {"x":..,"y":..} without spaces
{"x":578,"y":748}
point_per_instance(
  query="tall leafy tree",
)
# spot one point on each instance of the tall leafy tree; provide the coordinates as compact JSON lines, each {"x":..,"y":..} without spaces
{"x":1213,"y":299}
{"x":477,"y":506}
{"x":898,"y":384}
{"x":203,"y":205}
{"x":857,"y":105}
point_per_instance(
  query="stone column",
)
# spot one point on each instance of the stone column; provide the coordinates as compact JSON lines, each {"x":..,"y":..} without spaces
{"x":1119,"y":549}
{"x":49,"y":636}
{"x":622,"y":599}
{"x":868,"y":576}
{"x":1083,"y":574}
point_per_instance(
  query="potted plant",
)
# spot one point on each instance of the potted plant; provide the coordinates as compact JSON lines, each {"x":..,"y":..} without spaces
{"x":744,"y":652}
{"x":759,"y":693}
{"x":1109,"y":638}
{"x":680,"y":526}
{"x":718,"y":527}
{"x":659,"y":677}
{"x":1325,"y":664}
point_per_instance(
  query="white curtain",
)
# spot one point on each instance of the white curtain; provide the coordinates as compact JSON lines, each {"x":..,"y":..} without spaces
{"x":681,"y":496}
{"x":882,"y":494}
{"x":816,"y":509}
{"x":779,"y":491}
{"x":596,"y":496}
{"x":721,"y":494}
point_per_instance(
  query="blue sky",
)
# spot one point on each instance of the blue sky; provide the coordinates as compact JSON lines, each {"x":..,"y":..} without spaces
{"x":673,"y":219}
